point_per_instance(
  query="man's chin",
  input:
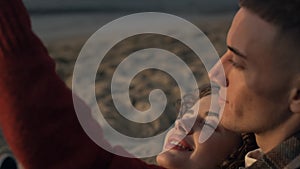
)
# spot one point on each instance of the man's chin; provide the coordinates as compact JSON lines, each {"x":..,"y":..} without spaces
{"x":229,"y":124}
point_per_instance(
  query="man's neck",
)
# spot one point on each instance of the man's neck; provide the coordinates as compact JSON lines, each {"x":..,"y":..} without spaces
{"x":270,"y":139}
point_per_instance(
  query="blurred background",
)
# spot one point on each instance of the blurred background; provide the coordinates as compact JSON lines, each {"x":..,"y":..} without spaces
{"x":77,"y":17}
{"x":187,"y":6}
{"x":64,"y":27}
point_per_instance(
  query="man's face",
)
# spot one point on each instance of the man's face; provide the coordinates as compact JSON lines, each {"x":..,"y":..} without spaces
{"x":257,"y":79}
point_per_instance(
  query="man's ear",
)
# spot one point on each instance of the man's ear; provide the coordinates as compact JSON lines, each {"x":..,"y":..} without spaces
{"x":295,"y":97}
{"x":295,"y":101}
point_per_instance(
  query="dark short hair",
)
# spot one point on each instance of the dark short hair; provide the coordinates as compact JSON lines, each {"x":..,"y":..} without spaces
{"x":284,"y":15}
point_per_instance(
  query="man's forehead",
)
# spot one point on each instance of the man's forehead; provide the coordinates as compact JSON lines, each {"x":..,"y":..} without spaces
{"x":249,"y":29}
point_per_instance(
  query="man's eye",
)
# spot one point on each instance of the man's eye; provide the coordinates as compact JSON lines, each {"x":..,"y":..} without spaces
{"x":235,"y":64}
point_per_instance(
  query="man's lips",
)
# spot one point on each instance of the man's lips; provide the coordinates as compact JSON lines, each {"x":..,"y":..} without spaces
{"x":177,"y":144}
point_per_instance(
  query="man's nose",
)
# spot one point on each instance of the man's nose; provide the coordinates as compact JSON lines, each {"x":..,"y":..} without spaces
{"x":218,"y":74}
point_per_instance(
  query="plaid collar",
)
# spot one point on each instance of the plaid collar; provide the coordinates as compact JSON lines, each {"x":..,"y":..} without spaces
{"x":286,"y":155}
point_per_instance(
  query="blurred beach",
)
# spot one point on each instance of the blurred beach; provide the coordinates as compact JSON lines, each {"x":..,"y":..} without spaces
{"x":64,"y":27}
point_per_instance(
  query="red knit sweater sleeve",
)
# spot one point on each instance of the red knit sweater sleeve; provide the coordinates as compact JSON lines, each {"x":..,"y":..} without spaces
{"x":37,"y":114}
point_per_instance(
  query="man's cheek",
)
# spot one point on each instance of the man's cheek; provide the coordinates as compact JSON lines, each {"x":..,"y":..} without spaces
{"x":242,"y":101}
{"x":256,"y":84}
{"x":237,"y":106}
{"x":249,"y":78}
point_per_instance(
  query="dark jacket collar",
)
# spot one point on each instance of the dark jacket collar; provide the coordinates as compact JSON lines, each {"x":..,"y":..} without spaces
{"x":286,"y":155}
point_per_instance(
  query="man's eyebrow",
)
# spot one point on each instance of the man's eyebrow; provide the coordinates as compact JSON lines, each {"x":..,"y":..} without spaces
{"x":237,"y":52}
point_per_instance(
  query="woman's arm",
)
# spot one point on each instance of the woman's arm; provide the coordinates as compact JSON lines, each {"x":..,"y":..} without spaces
{"x":37,"y":114}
